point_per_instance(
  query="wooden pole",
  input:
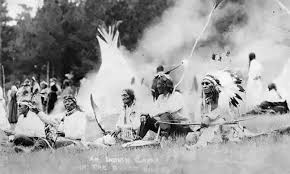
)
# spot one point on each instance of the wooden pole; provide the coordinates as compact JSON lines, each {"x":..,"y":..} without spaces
{"x":47,"y":80}
{"x":1,"y":66}
{"x":47,"y":73}
{"x":3,"y":76}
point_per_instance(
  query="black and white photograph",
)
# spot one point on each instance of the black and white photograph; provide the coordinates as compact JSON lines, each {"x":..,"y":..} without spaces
{"x":144,"y":86}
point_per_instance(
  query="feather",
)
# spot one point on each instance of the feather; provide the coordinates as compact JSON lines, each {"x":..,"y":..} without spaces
{"x":234,"y":102}
{"x":230,"y":87}
{"x":239,"y":97}
{"x":241,"y":89}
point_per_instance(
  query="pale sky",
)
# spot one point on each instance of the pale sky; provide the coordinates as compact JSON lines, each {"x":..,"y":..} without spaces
{"x":14,"y":8}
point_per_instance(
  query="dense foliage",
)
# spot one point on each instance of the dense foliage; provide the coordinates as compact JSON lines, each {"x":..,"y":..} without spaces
{"x":63,"y":35}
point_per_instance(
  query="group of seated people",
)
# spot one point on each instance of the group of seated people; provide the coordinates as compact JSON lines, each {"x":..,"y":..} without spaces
{"x":37,"y":130}
{"x":69,"y":128}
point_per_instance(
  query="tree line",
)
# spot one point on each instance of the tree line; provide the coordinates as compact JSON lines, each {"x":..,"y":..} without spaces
{"x":61,"y":36}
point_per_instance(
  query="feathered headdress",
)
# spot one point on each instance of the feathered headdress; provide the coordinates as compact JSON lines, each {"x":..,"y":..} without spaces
{"x":229,"y":86}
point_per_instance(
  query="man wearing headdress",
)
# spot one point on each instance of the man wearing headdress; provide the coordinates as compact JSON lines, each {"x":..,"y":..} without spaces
{"x":221,"y":93}
{"x":62,"y":129}
{"x":29,"y":127}
{"x":168,"y":107}
{"x":65,"y":128}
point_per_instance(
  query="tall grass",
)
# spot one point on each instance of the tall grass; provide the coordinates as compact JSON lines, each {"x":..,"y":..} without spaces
{"x":264,"y":155}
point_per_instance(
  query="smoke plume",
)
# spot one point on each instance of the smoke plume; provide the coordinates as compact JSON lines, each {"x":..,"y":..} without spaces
{"x":237,"y":28}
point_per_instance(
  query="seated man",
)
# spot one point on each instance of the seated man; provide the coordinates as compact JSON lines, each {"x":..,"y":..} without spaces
{"x":127,"y":127}
{"x":168,"y":107}
{"x":129,"y":120}
{"x":273,"y":103}
{"x":63,"y":129}
{"x":29,"y":127}
{"x":214,"y":113}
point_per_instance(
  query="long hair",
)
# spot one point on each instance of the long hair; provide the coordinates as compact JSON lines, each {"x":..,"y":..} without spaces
{"x":168,"y":85}
{"x":131,"y":94}
{"x":213,"y":96}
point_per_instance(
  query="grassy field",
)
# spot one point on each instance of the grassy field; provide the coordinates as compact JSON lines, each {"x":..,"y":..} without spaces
{"x":266,"y":155}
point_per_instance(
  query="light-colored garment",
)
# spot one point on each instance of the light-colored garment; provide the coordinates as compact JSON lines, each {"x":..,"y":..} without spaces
{"x":283,"y":83}
{"x":4,"y":123}
{"x":24,"y":93}
{"x":173,"y":103}
{"x":212,"y":133}
{"x":273,"y":96}
{"x":35,"y":88}
{"x":218,"y":134}
{"x":68,"y":91}
{"x":216,"y":130}
{"x":74,"y":126}
{"x":30,"y":125}
{"x":128,"y":122}
{"x":255,"y":70}
{"x":129,"y":118}
{"x":254,"y":88}
{"x":44,"y":92}
{"x":36,"y":98}
{"x":104,"y":141}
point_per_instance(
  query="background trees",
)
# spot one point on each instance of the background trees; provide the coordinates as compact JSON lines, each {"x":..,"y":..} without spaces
{"x":63,"y":34}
